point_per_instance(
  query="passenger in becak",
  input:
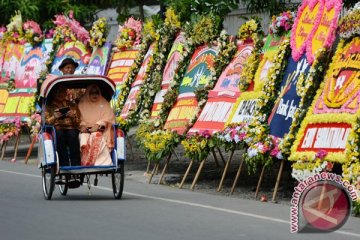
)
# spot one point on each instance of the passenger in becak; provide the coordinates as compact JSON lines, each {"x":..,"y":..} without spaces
{"x":65,"y":117}
{"x":97,"y":136}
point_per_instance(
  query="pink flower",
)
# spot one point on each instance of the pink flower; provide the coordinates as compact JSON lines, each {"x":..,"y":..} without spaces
{"x":321,"y":154}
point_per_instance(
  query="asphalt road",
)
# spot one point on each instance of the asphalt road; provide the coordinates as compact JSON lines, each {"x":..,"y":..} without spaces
{"x":146,"y":211}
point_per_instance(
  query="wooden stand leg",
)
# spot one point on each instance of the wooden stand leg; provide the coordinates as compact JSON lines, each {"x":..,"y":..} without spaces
{"x":237,"y":177}
{"x":30,"y":149}
{"x":215,"y":158}
{"x":259,"y":182}
{"x":153,"y":172}
{"x":3,"y":150}
{"x":186,"y":173}
{"x":148,"y":167}
{"x":225,"y":171}
{"x":176,"y":155}
{"x":165,"y":168}
{"x":197,"y":174}
{"x":157,"y":169}
{"x":16,"y":145}
{"x":221,"y":156}
{"x":278,"y":180}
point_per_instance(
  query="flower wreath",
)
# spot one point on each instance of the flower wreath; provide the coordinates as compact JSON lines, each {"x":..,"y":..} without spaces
{"x":98,"y":33}
{"x":153,"y":74}
{"x":125,"y":87}
{"x":9,"y":128}
{"x":197,"y":146}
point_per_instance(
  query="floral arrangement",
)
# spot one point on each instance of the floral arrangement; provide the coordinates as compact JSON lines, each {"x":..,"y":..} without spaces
{"x":8,"y":128}
{"x":282,"y":23}
{"x":14,"y":31}
{"x":233,"y":135}
{"x":198,"y":146}
{"x":159,"y":144}
{"x":172,"y":19}
{"x":250,"y":31}
{"x":318,"y":167}
{"x":203,"y":29}
{"x":349,"y":25}
{"x":35,"y":124}
{"x":129,"y":34}
{"x":98,"y":33}
{"x":33,"y":33}
{"x":68,"y":29}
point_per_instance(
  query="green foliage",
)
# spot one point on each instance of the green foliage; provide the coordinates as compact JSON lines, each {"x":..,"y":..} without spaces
{"x":185,"y":8}
{"x":43,"y":11}
{"x":274,"y":7}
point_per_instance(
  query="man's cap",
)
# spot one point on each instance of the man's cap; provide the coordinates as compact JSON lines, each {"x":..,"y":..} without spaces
{"x":67,"y":61}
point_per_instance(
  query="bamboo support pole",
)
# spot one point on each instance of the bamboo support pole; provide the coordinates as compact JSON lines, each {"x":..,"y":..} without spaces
{"x":259,"y":182}
{"x":221,"y":156}
{"x":16,"y":147}
{"x":3,"y":150}
{"x":153,"y":172}
{"x":215,"y":158}
{"x":186,"y":173}
{"x":197,"y":174}
{"x":237,"y":177}
{"x":30,"y":149}
{"x":165,"y":168}
{"x":225,"y":171}
{"x":278,"y":180}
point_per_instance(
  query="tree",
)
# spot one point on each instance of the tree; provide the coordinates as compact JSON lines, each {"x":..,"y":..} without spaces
{"x":185,"y":8}
{"x":43,"y":11}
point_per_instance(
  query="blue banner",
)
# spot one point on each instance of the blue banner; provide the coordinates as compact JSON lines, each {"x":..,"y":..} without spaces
{"x":288,"y":101}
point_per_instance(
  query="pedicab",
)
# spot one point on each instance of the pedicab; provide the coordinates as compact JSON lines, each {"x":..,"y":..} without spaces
{"x":52,"y":173}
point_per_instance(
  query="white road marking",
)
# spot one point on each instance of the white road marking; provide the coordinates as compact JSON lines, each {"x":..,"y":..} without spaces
{"x":194,"y":205}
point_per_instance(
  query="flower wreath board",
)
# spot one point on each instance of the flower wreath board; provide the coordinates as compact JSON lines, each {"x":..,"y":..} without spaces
{"x":75,"y":50}
{"x":14,"y":53}
{"x":173,"y":61}
{"x":99,"y":60}
{"x":314,"y":29}
{"x":18,"y":104}
{"x":315,"y":26}
{"x":197,"y":75}
{"x":245,"y":106}
{"x":330,"y":122}
{"x":222,"y":98}
{"x":32,"y":63}
{"x":130,"y":103}
{"x":120,"y":64}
